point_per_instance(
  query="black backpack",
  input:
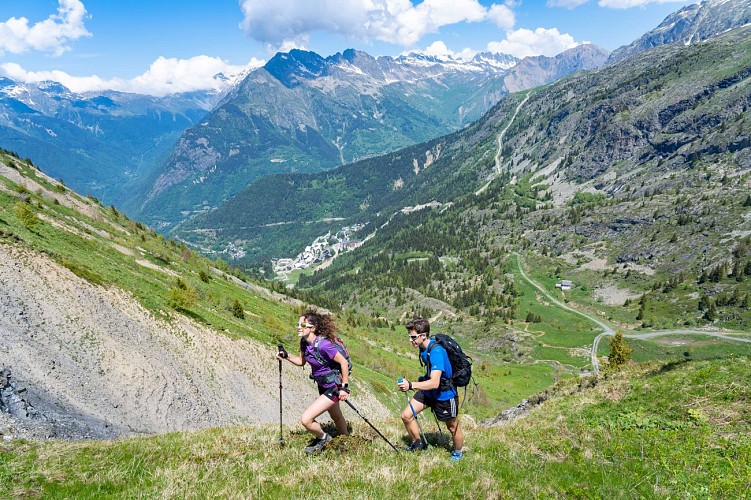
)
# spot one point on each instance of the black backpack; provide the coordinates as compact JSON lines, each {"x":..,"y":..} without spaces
{"x":461,"y":364}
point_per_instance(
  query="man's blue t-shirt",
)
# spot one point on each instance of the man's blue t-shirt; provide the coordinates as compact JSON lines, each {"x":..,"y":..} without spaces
{"x":439,"y":360}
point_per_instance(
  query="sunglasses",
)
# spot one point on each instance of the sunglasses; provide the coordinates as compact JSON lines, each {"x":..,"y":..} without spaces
{"x":304,"y":325}
{"x":414,"y":337}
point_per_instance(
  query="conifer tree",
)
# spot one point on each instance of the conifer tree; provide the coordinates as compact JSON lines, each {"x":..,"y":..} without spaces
{"x":620,"y":352}
{"x":711,"y":313}
{"x":237,"y":310}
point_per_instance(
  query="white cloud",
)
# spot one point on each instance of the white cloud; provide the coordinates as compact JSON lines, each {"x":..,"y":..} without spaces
{"x":523,"y":42}
{"x":627,"y":4}
{"x":439,"y":49}
{"x":165,"y":76}
{"x":394,"y":21}
{"x":502,"y":16}
{"x":52,"y":35}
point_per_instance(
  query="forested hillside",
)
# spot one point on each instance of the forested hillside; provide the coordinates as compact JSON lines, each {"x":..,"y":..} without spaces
{"x":632,"y":180}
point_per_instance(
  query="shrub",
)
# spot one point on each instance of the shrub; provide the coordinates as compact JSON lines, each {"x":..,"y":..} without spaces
{"x":26,"y":214}
{"x":182,"y":295}
{"x":237,"y":310}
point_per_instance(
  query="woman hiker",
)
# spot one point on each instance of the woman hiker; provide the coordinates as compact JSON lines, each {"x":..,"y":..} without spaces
{"x":330,"y":370}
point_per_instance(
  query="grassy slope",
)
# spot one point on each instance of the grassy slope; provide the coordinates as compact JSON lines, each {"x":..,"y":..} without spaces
{"x":632,"y":435}
{"x":104,"y":247}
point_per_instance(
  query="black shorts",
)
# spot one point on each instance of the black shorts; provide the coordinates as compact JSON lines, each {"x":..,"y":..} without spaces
{"x":444,"y":410}
{"x":330,"y":392}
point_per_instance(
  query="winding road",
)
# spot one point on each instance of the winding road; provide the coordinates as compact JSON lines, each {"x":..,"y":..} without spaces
{"x":497,"y":159}
{"x":608,"y":331}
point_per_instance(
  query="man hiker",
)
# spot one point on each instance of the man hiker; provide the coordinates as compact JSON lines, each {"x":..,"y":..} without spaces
{"x":434,"y":390}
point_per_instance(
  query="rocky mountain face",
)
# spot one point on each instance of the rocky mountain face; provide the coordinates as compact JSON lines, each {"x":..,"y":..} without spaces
{"x":100,"y":143}
{"x":691,"y":24}
{"x":534,"y":71}
{"x":305,"y":113}
{"x":95,"y":364}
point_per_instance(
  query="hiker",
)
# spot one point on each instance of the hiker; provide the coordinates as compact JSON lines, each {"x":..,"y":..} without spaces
{"x":434,"y":390}
{"x":317,"y":333}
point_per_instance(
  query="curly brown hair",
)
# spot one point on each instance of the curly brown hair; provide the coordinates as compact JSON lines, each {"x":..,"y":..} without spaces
{"x":323,"y":322}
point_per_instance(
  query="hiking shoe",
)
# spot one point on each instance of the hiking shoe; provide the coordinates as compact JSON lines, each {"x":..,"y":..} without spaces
{"x":416,"y":446}
{"x":456,"y":455}
{"x":318,"y":444}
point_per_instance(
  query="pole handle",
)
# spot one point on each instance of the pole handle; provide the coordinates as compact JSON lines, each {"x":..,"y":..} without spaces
{"x":282,"y":351}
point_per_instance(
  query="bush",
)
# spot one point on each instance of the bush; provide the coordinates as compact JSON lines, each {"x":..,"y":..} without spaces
{"x":182,"y":296}
{"x":237,"y":310}
{"x":26,"y":214}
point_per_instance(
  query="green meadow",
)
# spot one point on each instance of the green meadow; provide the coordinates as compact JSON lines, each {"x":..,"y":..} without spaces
{"x":632,"y":435}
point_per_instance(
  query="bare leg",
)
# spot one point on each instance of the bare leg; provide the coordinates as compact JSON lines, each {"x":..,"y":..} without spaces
{"x":336,"y":415}
{"x":456,"y":433}
{"x":409,"y":419}
{"x":316,"y":408}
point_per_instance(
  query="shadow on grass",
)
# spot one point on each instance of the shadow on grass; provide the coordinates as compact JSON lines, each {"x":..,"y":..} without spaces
{"x":670,"y":366}
{"x":440,"y":438}
{"x":193,"y":315}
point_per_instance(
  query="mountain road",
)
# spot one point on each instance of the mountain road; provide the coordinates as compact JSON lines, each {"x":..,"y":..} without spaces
{"x":608,"y":331}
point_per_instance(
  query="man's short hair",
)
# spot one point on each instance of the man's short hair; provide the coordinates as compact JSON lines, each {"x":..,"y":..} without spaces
{"x":420,"y":325}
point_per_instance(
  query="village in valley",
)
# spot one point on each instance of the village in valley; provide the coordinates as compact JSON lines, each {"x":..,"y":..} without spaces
{"x":319,"y":253}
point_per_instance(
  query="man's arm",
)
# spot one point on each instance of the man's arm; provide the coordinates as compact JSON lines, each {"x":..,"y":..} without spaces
{"x":432,"y":383}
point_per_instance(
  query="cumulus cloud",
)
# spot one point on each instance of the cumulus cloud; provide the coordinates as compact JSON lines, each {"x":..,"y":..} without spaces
{"x":627,"y":4}
{"x":523,"y":43}
{"x":439,"y":49}
{"x":393,"y":21}
{"x":502,"y":16}
{"x":53,"y":35}
{"x":165,"y":76}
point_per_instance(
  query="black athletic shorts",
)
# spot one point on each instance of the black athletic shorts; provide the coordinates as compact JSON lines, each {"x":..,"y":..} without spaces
{"x":330,"y":392}
{"x":444,"y":410}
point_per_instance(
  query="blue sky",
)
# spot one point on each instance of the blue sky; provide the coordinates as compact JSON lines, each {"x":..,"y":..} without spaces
{"x":164,"y":46}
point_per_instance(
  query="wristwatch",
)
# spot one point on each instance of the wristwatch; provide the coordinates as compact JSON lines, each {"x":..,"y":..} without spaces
{"x":344,"y":387}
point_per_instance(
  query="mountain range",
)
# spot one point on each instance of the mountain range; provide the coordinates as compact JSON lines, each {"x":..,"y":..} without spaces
{"x":100,"y":143}
{"x":258,"y":217}
{"x":305,"y":113}
{"x":691,"y":24}
{"x":605,"y":169}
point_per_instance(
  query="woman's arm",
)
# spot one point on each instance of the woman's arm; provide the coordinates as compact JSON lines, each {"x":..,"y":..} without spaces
{"x":344,"y":367}
{"x":344,"y":393}
{"x":295,"y":360}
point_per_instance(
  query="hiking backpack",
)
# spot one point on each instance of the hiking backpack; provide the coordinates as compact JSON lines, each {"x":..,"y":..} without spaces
{"x":461,"y":364}
{"x":333,"y":365}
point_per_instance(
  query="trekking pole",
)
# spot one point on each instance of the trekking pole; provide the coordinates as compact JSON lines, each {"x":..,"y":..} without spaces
{"x":437,"y":424}
{"x":284,"y":354}
{"x":371,"y":425}
{"x":414,"y":414}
